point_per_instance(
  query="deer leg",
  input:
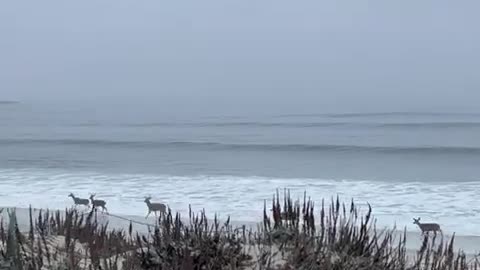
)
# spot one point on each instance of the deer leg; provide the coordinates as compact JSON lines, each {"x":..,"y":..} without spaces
{"x":148,"y":214}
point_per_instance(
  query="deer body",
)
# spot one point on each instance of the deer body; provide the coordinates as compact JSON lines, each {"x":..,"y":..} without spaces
{"x":427,"y":227}
{"x":79,"y":201}
{"x":98,"y":203}
{"x":155,"y":207}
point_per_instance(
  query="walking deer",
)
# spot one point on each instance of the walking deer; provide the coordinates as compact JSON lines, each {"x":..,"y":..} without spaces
{"x":98,"y":203}
{"x":79,"y":201}
{"x":155,"y":207}
{"x":427,"y":227}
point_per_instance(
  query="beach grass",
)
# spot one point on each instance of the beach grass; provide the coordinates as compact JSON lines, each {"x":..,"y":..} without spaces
{"x":292,"y":235}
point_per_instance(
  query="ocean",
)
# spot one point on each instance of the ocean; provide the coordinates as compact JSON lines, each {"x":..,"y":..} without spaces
{"x":405,"y":164}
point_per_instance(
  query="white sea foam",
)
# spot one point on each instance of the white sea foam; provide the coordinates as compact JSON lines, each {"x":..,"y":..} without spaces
{"x":454,"y":206}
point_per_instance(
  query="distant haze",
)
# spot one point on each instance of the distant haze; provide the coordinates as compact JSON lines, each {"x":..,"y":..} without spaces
{"x":236,"y":56}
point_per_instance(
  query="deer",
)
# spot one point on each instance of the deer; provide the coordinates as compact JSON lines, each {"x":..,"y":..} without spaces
{"x":98,"y":203}
{"x":155,"y":207}
{"x":79,"y":201}
{"x":427,"y":227}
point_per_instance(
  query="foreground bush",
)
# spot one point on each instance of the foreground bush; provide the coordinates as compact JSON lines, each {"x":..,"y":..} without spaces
{"x":292,"y":235}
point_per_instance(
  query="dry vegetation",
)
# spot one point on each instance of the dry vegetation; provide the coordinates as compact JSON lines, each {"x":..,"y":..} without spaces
{"x":293,"y":235}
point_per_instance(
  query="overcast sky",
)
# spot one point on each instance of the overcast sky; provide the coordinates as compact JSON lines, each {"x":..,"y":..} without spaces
{"x":283,"y":55}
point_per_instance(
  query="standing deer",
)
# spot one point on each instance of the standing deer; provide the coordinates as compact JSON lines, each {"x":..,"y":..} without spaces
{"x":427,"y":227}
{"x":98,"y":203}
{"x":79,"y":201}
{"x":155,"y":207}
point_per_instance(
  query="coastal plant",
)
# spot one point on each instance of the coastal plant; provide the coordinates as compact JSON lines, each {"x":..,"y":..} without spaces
{"x":293,"y":234}
{"x":343,"y":237}
{"x":197,"y":244}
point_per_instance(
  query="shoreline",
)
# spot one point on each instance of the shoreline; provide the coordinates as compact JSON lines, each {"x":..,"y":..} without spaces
{"x":125,"y":194}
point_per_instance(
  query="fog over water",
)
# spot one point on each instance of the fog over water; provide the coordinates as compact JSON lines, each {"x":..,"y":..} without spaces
{"x":219,"y":103}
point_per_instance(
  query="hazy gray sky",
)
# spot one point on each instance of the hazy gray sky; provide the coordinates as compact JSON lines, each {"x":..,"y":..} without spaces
{"x":283,"y":55}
